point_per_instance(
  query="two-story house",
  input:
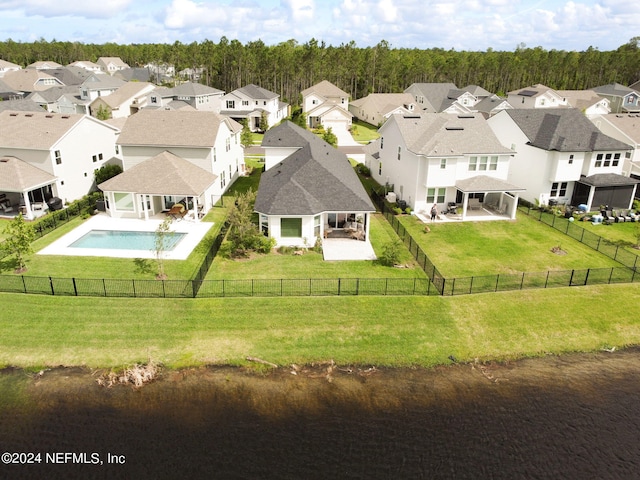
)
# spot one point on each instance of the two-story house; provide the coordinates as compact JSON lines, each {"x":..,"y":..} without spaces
{"x":126,"y":100}
{"x":375,"y":108}
{"x":622,"y":99}
{"x":111,"y":65}
{"x":29,"y":80}
{"x":562,"y":158}
{"x":587,"y":101}
{"x":198,"y":96}
{"x":327,"y":106}
{"x":626,"y":128}
{"x":67,"y":147}
{"x":536,"y":96}
{"x":251,"y":103}
{"x":174,"y":156}
{"x":443,"y":159}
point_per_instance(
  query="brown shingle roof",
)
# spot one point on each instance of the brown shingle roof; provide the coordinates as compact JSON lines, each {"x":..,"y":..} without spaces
{"x":19,"y":176}
{"x":35,"y":130}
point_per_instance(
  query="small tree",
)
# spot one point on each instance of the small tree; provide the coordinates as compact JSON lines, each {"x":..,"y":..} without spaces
{"x":330,"y":137}
{"x":20,"y":234}
{"x":103,"y":113}
{"x":162,"y":237}
{"x":244,"y":235}
{"x":246,"y":137}
{"x":391,"y":253}
{"x":264,"y":122}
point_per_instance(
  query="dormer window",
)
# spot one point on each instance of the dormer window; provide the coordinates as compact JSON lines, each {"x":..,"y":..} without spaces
{"x":571,"y":159}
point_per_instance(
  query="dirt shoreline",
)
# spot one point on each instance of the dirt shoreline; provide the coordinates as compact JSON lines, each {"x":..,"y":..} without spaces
{"x":558,"y":416}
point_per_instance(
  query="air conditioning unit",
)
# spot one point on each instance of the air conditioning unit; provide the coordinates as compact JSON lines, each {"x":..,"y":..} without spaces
{"x":391,"y":197}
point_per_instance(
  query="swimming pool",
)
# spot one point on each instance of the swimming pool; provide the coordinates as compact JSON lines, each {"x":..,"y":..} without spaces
{"x":126,"y":240}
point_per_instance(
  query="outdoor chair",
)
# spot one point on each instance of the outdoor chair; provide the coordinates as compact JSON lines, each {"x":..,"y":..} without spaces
{"x":608,"y":215}
{"x":178,"y":211}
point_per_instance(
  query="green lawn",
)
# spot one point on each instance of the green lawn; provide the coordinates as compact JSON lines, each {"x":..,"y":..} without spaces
{"x":461,"y":249}
{"x":312,"y":265}
{"x":364,"y":132}
{"x":40,"y":331}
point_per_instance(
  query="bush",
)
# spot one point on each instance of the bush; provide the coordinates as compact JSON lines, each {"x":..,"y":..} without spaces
{"x":391,"y":253}
{"x":363,"y":170}
{"x":106,"y":172}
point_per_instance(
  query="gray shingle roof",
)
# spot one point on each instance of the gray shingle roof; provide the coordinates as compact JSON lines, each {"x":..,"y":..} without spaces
{"x":174,"y":128}
{"x":608,"y":180}
{"x":563,"y":130}
{"x":256,"y":92}
{"x":443,"y":134}
{"x":485,"y":183}
{"x":164,"y":174}
{"x":194,"y":89}
{"x":316,"y":178}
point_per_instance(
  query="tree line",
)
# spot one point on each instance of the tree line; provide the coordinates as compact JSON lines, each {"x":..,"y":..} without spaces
{"x":290,"y":67}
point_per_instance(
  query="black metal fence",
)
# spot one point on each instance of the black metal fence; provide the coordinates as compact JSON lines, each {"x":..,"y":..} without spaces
{"x":619,"y":253}
{"x":629,"y":273}
{"x":83,"y":287}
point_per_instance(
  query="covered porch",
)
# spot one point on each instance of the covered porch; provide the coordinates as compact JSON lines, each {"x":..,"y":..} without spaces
{"x":163,"y":184}
{"x":24,"y":189}
{"x":484,"y":197}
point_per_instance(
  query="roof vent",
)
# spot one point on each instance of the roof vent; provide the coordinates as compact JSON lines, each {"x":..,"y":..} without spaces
{"x":28,"y":114}
{"x":13,"y":114}
{"x":455,"y":128}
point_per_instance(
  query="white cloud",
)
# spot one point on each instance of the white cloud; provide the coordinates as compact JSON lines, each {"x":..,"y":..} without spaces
{"x":301,"y":10}
{"x":53,"y":8}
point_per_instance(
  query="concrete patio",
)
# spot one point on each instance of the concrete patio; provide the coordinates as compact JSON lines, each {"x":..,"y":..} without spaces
{"x":347,"y":249}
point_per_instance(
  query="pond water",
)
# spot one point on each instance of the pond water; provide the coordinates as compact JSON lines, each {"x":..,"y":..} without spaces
{"x":574,"y":416}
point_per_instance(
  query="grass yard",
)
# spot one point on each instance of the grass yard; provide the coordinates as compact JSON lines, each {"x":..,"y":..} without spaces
{"x":391,"y":331}
{"x":363,"y":132}
{"x":312,"y":265}
{"x":486,"y":248}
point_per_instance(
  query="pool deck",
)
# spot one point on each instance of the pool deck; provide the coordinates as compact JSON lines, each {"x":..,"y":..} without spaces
{"x":195,"y":232}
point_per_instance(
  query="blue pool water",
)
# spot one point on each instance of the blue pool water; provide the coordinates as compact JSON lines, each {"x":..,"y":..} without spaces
{"x":124,"y":240}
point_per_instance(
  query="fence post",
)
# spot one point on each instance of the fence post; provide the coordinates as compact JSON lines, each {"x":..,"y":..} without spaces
{"x":586,"y":277}
{"x":522,"y":281}
{"x":104,"y":287}
{"x":497,"y":281}
{"x":75,"y":289}
{"x":51,"y":285}
{"x":339,"y":286}
{"x":133,"y":285}
{"x":610,"y":275}
{"x":471,"y":286}
{"x":546,"y":282}
{"x":571,"y":278}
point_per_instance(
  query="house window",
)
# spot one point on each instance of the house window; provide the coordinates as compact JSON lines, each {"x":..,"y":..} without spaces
{"x":154,"y":99}
{"x":435,"y":195}
{"x":264,"y":225}
{"x":443,"y":163}
{"x":245,"y":103}
{"x":58,"y":156}
{"x":379,"y":168}
{"x":616,"y":160}
{"x":317,"y":220}
{"x":399,"y":152}
{"x":558,"y":189}
{"x":381,"y":143}
{"x":231,"y":104}
{"x":607,"y":160}
{"x":291,"y":227}
{"x":228,"y":144}
{"x":570,"y":159}
{"x":493,"y":163}
{"x":214,"y":154}
{"x":314,"y":102}
{"x":117,"y":149}
{"x":483,"y":163}
{"x":599,"y":160}
{"x":123,"y":201}
{"x":95,"y":158}
{"x":473,"y":164}
{"x":222,"y":180}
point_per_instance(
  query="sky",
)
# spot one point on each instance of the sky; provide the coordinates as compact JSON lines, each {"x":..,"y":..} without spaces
{"x":472,"y":25}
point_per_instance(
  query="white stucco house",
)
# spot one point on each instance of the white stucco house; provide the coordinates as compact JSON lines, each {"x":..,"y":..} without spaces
{"x":327,"y":106}
{"x":562,"y":158}
{"x":536,"y":96}
{"x":626,"y":128}
{"x":68,"y":147}
{"x":250,"y":103}
{"x":196,"y":95}
{"x":8,"y":67}
{"x":111,"y":65}
{"x":174,"y":156}
{"x":309,"y":192}
{"x":125,"y":101}
{"x":587,"y":101}
{"x":444,"y":159}
{"x":375,"y":108}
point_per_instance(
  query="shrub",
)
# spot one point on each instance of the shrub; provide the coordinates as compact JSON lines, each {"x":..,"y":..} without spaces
{"x":391,"y":253}
{"x":364,"y":170}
